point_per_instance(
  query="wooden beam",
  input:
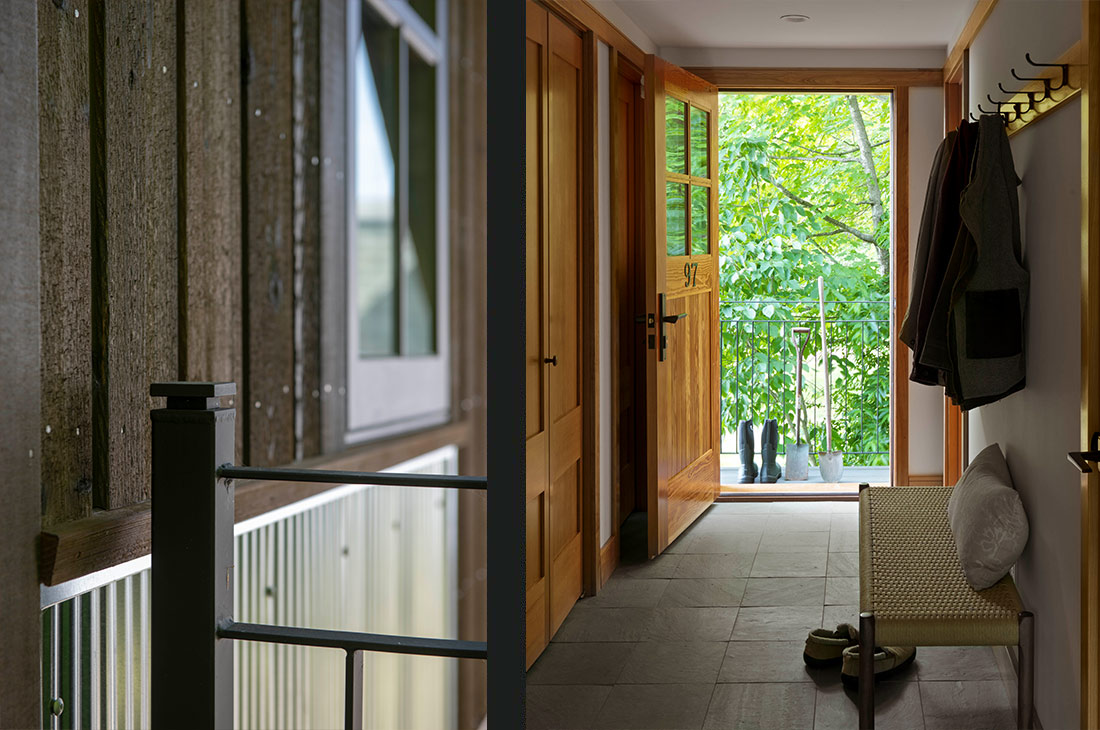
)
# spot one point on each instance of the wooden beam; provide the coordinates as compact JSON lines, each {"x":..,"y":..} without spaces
{"x":586,"y":17}
{"x":20,"y":406}
{"x":66,"y":255}
{"x":974,"y":24}
{"x":899,"y":396}
{"x":109,"y":537}
{"x":846,"y":79}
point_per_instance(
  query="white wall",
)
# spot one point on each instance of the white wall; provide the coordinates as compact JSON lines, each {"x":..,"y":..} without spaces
{"x":1037,"y":426}
{"x":603,"y":87}
{"x":925,"y":402}
{"x":624,"y":23}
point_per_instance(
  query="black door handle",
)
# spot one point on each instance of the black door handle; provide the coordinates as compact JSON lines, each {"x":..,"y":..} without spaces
{"x":1081,"y":459}
{"x":551,"y":360}
{"x":673,"y":318}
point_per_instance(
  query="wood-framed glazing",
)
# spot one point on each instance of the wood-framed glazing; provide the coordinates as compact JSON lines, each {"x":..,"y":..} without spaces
{"x":897,"y":83}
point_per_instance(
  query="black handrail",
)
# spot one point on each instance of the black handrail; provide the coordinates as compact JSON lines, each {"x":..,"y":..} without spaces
{"x":326,"y":476}
{"x":353,"y":640}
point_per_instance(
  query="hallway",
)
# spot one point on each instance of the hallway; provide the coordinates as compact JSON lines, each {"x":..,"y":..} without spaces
{"x":710,"y":635}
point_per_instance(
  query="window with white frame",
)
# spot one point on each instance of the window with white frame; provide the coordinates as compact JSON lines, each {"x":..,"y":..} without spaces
{"x":398,"y":338}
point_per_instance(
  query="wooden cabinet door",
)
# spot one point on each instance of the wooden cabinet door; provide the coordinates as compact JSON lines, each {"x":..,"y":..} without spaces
{"x":554,"y":385}
{"x":682,"y":367}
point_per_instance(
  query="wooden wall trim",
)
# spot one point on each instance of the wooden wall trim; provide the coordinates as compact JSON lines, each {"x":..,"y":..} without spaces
{"x":110,"y":537}
{"x":974,"y":23}
{"x":926,"y":480}
{"x":21,"y":404}
{"x":1090,"y":365}
{"x":847,"y":79}
{"x":899,"y":399}
{"x":586,"y":17}
{"x":609,"y":558}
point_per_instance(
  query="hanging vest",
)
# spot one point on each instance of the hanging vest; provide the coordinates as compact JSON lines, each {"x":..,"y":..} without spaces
{"x":987,"y":319}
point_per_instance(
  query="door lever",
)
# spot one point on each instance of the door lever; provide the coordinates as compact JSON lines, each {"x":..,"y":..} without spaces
{"x":551,"y":360}
{"x":1081,"y":459}
{"x":673,"y":318}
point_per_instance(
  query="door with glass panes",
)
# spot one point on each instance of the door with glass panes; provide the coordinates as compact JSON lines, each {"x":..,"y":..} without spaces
{"x":681,"y":259}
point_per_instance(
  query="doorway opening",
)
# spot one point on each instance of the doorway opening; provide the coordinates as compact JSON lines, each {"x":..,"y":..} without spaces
{"x":805,"y":183}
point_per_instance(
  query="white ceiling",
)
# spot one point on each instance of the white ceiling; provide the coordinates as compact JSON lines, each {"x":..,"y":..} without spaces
{"x":833,"y":23}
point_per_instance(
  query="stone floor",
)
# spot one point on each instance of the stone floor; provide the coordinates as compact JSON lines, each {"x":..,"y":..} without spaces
{"x":710,"y":635}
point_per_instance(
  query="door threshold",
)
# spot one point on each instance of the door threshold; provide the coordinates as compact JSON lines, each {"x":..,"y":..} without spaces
{"x":814,"y":492}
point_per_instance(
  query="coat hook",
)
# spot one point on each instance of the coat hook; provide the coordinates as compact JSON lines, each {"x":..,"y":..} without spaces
{"x":1063,"y":66}
{"x":1031,"y":100}
{"x":1046,"y":84}
{"x":1002,"y":115}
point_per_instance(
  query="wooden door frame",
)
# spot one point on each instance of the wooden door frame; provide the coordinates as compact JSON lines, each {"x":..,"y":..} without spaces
{"x":1090,"y":366}
{"x":896,"y":82}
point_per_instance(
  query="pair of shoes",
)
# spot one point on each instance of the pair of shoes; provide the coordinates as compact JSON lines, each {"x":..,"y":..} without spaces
{"x":769,"y":445}
{"x":826,"y":648}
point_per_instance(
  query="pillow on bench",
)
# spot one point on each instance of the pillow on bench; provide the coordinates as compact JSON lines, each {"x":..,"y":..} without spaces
{"x":987,"y":519}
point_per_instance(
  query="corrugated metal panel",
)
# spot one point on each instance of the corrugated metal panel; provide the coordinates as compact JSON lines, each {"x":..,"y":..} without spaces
{"x":377,"y":559}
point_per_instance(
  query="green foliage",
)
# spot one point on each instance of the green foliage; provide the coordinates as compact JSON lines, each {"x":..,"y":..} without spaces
{"x":774,"y":243}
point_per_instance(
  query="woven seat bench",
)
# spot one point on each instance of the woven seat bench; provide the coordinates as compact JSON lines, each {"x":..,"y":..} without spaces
{"x":912,"y":591}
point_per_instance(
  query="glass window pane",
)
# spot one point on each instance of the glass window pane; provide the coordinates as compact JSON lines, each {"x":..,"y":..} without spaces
{"x":418,"y":249}
{"x":675,"y":218}
{"x":699,"y":120}
{"x":375,"y":190}
{"x":675,"y":113}
{"x":700,"y":219}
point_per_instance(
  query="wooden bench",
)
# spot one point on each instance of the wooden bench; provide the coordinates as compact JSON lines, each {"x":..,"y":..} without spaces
{"x":912,"y":591}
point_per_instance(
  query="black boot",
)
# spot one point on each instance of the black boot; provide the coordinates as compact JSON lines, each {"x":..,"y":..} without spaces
{"x":769,"y":445}
{"x":744,"y":439}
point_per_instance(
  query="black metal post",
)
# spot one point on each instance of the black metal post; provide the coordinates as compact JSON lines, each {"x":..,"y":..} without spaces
{"x":353,"y":691}
{"x":1025,"y":671}
{"x":192,"y":575}
{"x":866,"y":671}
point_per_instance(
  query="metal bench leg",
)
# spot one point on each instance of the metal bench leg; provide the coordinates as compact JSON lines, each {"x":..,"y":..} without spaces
{"x":1025,"y":674}
{"x":866,"y":671}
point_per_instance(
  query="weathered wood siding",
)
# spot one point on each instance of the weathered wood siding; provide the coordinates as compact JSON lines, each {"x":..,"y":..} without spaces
{"x":66,"y":254}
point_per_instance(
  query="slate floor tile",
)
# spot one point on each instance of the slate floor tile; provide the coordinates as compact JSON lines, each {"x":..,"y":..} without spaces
{"x":794,"y":542}
{"x":776,"y":623}
{"x":784,"y":592}
{"x":606,"y":624}
{"x":897,"y":707}
{"x":843,"y":565}
{"x":691,"y":624}
{"x":788,"y":565}
{"x":728,"y":565}
{"x":761,"y":707}
{"x":655,"y":707}
{"x":764,"y":661}
{"x":841,"y":591}
{"x":564,"y":707}
{"x":937,"y":663}
{"x":673,"y":662}
{"x":627,"y":593}
{"x":970,"y":705}
{"x":580,"y":663}
{"x":703,"y":592}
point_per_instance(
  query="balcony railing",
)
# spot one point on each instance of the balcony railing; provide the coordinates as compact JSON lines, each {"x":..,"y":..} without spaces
{"x":759,"y":350}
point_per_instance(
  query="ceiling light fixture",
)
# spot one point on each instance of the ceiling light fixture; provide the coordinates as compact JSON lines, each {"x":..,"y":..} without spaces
{"x":795,"y":18}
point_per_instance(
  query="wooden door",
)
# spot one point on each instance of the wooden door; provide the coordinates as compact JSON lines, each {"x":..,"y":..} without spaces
{"x":538,"y":565}
{"x":681,"y":260}
{"x":554,"y":326}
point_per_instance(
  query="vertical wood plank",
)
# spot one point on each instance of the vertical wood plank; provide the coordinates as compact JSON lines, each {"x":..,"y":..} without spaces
{"x":899,"y":441}
{"x":210,"y":194}
{"x":268,"y":236}
{"x":307,"y":230}
{"x":20,"y":407}
{"x":333,"y":223}
{"x":66,"y":269}
{"x":137,"y":298}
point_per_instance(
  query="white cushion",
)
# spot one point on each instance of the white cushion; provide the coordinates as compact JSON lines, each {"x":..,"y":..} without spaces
{"x":987,"y":519}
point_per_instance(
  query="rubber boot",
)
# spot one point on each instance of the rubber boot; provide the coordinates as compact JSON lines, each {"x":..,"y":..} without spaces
{"x":769,"y":444}
{"x":744,"y":438}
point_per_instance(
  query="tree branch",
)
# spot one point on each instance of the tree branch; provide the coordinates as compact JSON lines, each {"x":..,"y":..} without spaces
{"x":866,"y":237}
{"x":874,"y":192}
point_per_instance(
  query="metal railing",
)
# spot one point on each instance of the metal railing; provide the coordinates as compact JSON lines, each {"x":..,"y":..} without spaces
{"x":758,"y":352}
{"x":192,"y":560}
